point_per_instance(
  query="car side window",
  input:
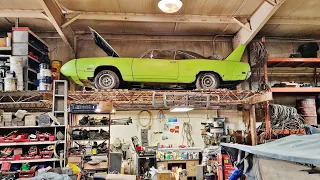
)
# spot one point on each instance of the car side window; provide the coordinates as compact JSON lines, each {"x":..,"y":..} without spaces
{"x":181,"y":55}
{"x":148,"y":55}
{"x":163,"y":54}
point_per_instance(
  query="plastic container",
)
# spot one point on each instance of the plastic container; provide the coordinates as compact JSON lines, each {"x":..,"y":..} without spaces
{"x":56,"y":66}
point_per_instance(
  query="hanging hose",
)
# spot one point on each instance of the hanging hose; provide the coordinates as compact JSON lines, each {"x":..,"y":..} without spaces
{"x":150,"y":122}
{"x":186,"y":133}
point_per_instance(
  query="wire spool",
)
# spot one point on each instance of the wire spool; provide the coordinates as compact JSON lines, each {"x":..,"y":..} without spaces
{"x":307,"y":107}
{"x":16,"y":65}
{"x":10,"y":84}
{"x":55,"y":68}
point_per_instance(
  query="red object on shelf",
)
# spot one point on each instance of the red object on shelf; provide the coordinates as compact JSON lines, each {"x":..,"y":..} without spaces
{"x":224,"y":166}
{"x":51,"y":138}
{"x":37,"y":157}
{"x":5,"y":166}
{"x":8,"y":141}
{"x":9,"y":159}
{"x":27,"y":174}
{"x":17,"y":157}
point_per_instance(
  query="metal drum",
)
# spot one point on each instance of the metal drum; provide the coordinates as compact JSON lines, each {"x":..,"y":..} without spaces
{"x":16,"y":65}
{"x":56,"y":66}
{"x":44,"y":84}
{"x":10,"y":84}
{"x":307,"y":107}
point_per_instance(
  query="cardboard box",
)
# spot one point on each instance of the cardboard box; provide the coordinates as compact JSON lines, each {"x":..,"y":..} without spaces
{"x":7,"y":123}
{"x":3,"y":42}
{"x":74,"y":159}
{"x":102,"y":165}
{"x":7,"y":116}
{"x":30,"y":120}
{"x":17,"y":151}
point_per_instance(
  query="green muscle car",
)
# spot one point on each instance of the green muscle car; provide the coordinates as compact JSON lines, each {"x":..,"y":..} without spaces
{"x":173,"y":67}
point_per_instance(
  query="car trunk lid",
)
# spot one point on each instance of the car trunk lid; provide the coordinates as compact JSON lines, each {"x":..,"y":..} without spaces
{"x":102,"y":43}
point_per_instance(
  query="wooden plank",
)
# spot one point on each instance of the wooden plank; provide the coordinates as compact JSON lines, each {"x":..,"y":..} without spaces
{"x":253,"y":125}
{"x":266,"y":96}
{"x":310,"y":60}
{"x":295,"y":90}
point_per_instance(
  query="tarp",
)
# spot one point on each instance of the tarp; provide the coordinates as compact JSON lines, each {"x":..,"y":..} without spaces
{"x":294,"y":148}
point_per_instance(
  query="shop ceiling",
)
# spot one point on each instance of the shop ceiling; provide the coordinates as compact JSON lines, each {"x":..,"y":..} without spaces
{"x":197,"y":17}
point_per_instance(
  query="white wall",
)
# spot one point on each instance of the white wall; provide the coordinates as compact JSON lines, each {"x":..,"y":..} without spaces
{"x":125,"y":132}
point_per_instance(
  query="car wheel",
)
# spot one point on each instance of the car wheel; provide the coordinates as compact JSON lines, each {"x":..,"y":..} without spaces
{"x":208,"y":81}
{"x":106,"y":79}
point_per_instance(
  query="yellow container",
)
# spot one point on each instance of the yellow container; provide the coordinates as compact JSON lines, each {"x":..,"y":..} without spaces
{"x":56,"y":66}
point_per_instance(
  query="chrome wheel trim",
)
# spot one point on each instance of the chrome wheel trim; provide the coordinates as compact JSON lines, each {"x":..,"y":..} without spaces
{"x":107,"y":81}
{"x":208,"y":81}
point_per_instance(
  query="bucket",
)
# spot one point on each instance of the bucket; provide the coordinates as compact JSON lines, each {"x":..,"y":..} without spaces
{"x":44,"y":84}
{"x":10,"y":84}
{"x":56,"y":66}
{"x":44,"y":70}
{"x":307,"y":108}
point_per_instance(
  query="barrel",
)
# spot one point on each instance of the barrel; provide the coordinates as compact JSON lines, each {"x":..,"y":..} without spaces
{"x":10,"y":84}
{"x":16,"y":65}
{"x":307,"y":108}
{"x":55,"y":67}
{"x":44,"y":84}
{"x":44,"y":70}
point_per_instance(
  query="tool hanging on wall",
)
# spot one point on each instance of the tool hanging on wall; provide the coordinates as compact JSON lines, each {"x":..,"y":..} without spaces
{"x":148,"y":115}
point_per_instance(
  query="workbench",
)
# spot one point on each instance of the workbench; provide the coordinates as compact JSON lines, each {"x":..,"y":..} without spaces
{"x":189,"y":165}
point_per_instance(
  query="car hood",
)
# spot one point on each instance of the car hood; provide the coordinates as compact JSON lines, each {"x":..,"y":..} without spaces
{"x":102,"y":43}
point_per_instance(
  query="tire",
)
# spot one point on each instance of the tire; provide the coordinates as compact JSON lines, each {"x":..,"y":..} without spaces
{"x":208,"y":81}
{"x":106,"y":79}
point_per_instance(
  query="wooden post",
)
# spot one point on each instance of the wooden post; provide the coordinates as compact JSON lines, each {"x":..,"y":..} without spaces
{"x":253,"y":125}
{"x":266,"y":104}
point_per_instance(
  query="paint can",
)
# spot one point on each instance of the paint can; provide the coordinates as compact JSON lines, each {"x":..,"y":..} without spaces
{"x":44,"y":70}
{"x":55,"y":67}
{"x":10,"y":84}
{"x":44,"y":84}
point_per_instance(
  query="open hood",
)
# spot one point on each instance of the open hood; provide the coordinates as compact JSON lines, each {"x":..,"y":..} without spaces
{"x":102,"y":43}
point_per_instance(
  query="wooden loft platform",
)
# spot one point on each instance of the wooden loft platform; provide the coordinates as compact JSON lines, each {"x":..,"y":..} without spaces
{"x":155,"y":99}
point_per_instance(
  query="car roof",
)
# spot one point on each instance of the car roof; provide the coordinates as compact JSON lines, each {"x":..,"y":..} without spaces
{"x":196,"y":55}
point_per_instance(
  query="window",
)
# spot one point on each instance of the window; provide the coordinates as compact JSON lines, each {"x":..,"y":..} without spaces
{"x":147,"y":54}
{"x":163,"y":54}
{"x":182,"y":55}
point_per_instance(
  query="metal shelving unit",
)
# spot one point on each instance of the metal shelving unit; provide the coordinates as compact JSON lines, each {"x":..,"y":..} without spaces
{"x":74,"y":124}
{"x":33,"y":50}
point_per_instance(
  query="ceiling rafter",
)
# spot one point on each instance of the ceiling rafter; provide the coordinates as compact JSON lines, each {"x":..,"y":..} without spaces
{"x":259,"y":18}
{"x":56,"y":17}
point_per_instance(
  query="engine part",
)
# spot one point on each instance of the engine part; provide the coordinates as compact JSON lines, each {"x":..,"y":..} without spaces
{"x":79,"y":134}
{"x":84,"y":120}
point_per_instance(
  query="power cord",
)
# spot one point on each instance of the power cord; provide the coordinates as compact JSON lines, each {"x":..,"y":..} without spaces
{"x":150,"y":121}
{"x":186,"y":133}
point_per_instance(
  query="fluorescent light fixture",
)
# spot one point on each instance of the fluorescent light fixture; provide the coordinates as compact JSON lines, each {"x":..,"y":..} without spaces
{"x":170,"y":6}
{"x":181,"y":109}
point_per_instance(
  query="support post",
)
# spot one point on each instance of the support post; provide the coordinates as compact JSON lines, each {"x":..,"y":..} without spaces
{"x":266,"y":104}
{"x":253,"y":125}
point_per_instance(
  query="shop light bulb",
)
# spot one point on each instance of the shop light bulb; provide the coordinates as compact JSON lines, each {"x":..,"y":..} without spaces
{"x":170,"y":6}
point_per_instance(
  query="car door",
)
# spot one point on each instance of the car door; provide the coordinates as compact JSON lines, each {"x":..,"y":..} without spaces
{"x":155,"y":66}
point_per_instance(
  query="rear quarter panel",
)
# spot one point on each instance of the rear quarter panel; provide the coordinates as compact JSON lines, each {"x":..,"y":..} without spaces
{"x":228,"y":70}
{"x":87,"y":66}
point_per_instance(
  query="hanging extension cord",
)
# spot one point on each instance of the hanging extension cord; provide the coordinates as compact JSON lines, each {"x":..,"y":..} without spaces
{"x":186,"y":133}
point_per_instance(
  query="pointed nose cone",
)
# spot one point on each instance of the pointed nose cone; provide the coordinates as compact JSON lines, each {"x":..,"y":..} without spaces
{"x":69,"y":68}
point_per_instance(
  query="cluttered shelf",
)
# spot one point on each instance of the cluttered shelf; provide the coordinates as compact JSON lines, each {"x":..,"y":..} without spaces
{"x":28,"y":143}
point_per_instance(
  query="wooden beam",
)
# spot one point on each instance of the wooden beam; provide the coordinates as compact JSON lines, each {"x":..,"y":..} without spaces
{"x":259,"y":18}
{"x":155,"y":17}
{"x":253,"y":130}
{"x":266,"y":96}
{"x":23,"y":14}
{"x":57,"y":19}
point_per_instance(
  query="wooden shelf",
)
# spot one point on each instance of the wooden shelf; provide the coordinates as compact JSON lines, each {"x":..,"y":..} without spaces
{"x":36,"y":60}
{"x":294,"y":62}
{"x":295,"y":90}
{"x":21,"y":127}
